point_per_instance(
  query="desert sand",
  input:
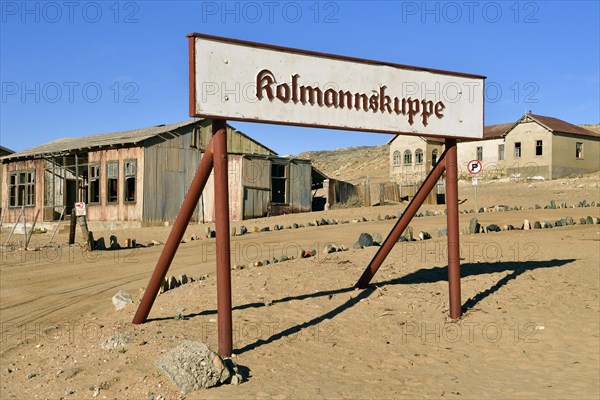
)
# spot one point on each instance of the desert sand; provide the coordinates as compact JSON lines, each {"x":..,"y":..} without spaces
{"x":530,"y":327}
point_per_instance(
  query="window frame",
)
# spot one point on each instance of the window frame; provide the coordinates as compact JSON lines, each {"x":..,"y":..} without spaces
{"x":283,"y":178}
{"x":579,"y":155}
{"x":520,"y":147}
{"x":126,"y":177}
{"x":396,"y":158}
{"x":418,"y":157}
{"x":109,"y":178}
{"x":27,"y":188}
{"x":539,"y":145}
{"x":479,"y":153}
{"x":501,"y":152}
{"x":94,"y":181}
{"x":408,"y":153}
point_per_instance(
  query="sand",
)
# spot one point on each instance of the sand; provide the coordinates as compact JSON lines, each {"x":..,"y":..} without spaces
{"x":530,"y":327}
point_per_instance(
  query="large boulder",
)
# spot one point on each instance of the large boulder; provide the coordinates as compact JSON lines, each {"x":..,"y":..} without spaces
{"x":192,"y":365}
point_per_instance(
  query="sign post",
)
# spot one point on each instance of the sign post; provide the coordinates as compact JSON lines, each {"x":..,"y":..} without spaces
{"x":287,"y":86}
{"x":475,"y":167}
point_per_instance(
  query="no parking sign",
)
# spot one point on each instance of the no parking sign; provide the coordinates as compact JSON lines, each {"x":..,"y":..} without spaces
{"x":474,"y":167}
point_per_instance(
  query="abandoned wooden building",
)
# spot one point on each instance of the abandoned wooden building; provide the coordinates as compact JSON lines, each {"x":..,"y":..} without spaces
{"x":141,"y":176}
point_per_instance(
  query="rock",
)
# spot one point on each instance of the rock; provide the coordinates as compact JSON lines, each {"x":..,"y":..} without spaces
{"x":324,"y":222}
{"x":537,"y":225}
{"x":552,"y":205}
{"x":589,"y":220}
{"x":165,"y":286}
{"x":569,"y":221}
{"x":283,"y":258}
{"x":173,"y":283}
{"x":276,"y":227}
{"x":560,"y":222}
{"x":194,"y":237}
{"x":493,"y":228}
{"x":597,"y":221}
{"x":236,"y":379}
{"x":100,"y":244}
{"x":509,"y":228}
{"x":402,"y":239}
{"x":258,"y":264}
{"x":582,"y":221}
{"x":547,"y":225}
{"x":32,"y":375}
{"x":408,"y":234}
{"x":424,"y":235}
{"x":233,"y":231}
{"x":208,"y":230}
{"x":377,"y":239}
{"x":243,"y":230}
{"x":117,"y":341}
{"x":256,"y":229}
{"x":212,"y":234}
{"x":154,"y":243}
{"x":192,"y":365}
{"x":329,"y":248}
{"x":474,"y":226}
{"x":442,"y":232}
{"x":357,"y":245}
{"x":121,"y":300}
{"x":183,"y":278}
{"x":537,"y":206}
{"x":365,"y":240}
{"x":294,"y":226}
{"x":481,"y":210}
{"x":70,"y":373}
{"x":265,"y":229}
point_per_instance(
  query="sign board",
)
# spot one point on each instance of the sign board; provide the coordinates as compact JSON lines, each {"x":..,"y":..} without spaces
{"x":474,"y":180}
{"x":474,"y":167}
{"x":246,"y":81}
{"x":80,"y":209}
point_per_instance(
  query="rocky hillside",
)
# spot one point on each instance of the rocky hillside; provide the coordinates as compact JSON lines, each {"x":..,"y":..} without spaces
{"x":352,"y":164}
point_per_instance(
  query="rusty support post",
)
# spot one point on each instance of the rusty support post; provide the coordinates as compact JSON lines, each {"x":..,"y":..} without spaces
{"x":452,"y":224}
{"x":224,"y":320}
{"x":181,"y":222}
{"x":402,"y":223}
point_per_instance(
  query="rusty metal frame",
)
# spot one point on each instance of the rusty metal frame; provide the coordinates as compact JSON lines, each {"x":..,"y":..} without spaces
{"x":448,"y":163}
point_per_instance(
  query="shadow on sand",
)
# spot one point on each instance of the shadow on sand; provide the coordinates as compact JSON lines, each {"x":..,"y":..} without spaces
{"x":430,"y":275}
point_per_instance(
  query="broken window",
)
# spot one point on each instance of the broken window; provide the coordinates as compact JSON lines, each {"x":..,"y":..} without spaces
{"x":579,"y":150}
{"x":517,"y":149}
{"x":434,"y":157}
{"x":94,"y":175}
{"x":130,"y":172}
{"x":500,"y":152}
{"x":278,"y":183}
{"x":418,"y":156}
{"x":396,"y":158}
{"x":21,"y":189}
{"x":480,"y":153}
{"x":538,"y":147}
{"x":112,"y":181}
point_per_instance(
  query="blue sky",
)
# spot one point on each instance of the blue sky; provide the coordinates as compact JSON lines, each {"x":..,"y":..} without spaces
{"x":74,"y":68}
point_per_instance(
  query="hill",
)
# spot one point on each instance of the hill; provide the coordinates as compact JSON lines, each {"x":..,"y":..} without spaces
{"x":352,"y":164}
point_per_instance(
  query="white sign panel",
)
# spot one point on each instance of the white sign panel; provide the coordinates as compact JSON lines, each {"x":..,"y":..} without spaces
{"x":79,"y":209}
{"x":474,"y":182}
{"x":245,"y":81}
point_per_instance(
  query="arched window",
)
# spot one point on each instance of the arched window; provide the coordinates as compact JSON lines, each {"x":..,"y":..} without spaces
{"x":396,"y":159}
{"x":407,"y":157}
{"x":434,"y":157}
{"x":418,"y":156}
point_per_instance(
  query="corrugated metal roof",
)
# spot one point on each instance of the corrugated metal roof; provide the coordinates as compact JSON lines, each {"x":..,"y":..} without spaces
{"x":103,"y":140}
{"x":97,"y":141}
{"x":559,"y":126}
{"x":496,"y":131}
